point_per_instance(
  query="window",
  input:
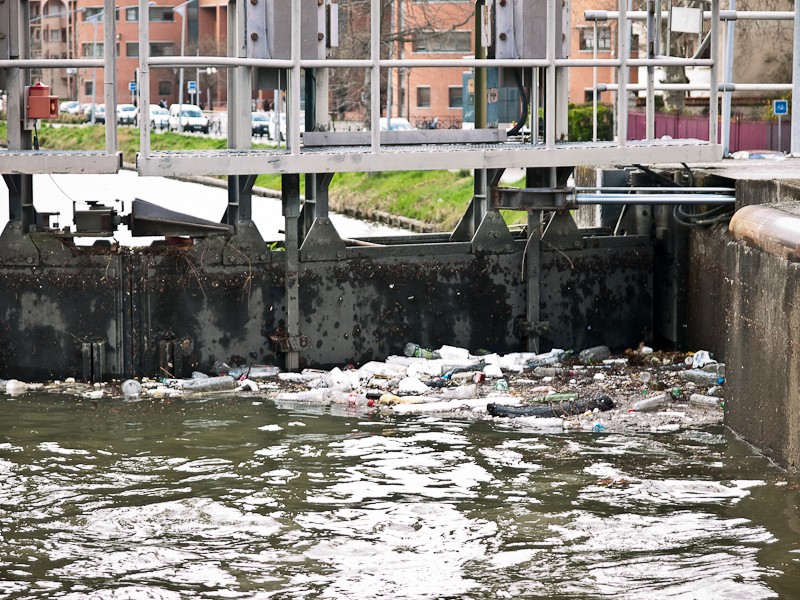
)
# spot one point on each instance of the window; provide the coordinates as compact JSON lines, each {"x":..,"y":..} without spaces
{"x":131,"y":49}
{"x":455,"y":97}
{"x":603,"y":39}
{"x":93,"y":13}
{"x":423,"y":96}
{"x":88,"y":88}
{"x":132,"y":14}
{"x":162,"y":49}
{"x":449,"y":42}
{"x":165,"y":88}
{"x":91,"y":49}
{"x":162,"y":14}
{"x":55,"y":35}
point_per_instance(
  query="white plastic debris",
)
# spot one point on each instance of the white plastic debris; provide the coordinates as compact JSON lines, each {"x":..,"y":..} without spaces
{"x":451,"y":353}
{"x":412,"y":386}
{"x":649,"y":404}
{"x":248,"y":385}
{"x":700,"y":359}
{"x":14,"y":386}
{"x":493,"y":371}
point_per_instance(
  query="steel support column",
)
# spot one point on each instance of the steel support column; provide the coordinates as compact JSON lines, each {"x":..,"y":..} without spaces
{"x":290,"y":196}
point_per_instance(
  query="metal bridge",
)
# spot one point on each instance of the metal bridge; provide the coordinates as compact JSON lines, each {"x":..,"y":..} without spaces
{"x":319,"y":300}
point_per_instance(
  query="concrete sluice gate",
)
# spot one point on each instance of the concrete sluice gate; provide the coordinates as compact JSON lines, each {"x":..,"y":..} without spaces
{"x":166,"y":310}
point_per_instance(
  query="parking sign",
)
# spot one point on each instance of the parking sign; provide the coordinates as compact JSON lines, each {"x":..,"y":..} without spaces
{"x":192,"y":85}
{"x":780,"y":107}
{"x":132,"y":86}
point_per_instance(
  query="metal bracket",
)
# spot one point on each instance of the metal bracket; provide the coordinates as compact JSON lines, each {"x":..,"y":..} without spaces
{"x":525,"y":329}
{"x":247,"y":246}
{"x":561,"y":232}
{"x":492,"y":235}
{"x":286,"y":343}
{"x":17,"y":248}
{"x":322,"y":242}
{"x":532,"y":198}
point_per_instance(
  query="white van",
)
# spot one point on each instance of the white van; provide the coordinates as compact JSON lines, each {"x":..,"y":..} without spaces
{"x":191,"y":118}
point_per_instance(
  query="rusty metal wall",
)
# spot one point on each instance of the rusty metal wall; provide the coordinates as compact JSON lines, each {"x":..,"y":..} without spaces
{"x":167,"y":312}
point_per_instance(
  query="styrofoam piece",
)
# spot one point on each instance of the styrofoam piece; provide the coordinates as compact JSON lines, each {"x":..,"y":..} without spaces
{"x":493,"y":371}
{"x":412,"y":386}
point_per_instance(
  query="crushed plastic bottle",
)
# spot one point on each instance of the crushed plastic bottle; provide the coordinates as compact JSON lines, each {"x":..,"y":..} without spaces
{"x":501,"y":385}
{"x":594,"y":355}
{"x":416,"y":351}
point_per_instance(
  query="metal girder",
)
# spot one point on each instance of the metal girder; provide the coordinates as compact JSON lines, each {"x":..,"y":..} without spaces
{"x":421,"y":158}
{"x":416,"y":136}
{"x":532,"y":198}
{"x":71,"y":162}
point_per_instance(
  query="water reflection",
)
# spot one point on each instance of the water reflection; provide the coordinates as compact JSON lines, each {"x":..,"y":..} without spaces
{"x":238,"y":498}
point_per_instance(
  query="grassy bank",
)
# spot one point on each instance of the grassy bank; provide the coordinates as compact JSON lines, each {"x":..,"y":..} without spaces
{"x":438,"y":198}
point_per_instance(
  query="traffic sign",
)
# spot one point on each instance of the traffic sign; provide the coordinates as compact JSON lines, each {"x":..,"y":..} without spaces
{"x":192,"y":86}
{"x":780,"y":107}
{"x":132,"y":86}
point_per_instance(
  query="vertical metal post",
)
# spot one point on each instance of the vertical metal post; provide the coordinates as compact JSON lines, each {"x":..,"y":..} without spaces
{"x":532,"y":271}
{"x":622,"y":78}
{"x":562,"y":73}
{"x":594,"y":83}
{"x":480,"y":72}
{"x":650,"y":108}
{"x":290,"y":195}
{"x":550,"y":74}
{"x":375,"y":73}
{"x":110,"y":74}
{"x":727,"y":94}
{"x":795,"y":147}
{"x":144,"y":79}
{"x":294,"y":125}
{"x":239,"y":127}
{"x":713,"y":108}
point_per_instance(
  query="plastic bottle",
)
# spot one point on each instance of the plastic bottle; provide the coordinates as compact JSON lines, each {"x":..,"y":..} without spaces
{"x":594,"y":355}
{"x":703,"y":400}
{"x":262,"y":371}
{"x":548,"y":371}
{"x":716,"y":368}
{"x":648,"y":404}
{"x":209,"y":384}
{"x":701,"y":377}
{"x":413,"y":349}
{"x":501,"y":385}
{"x":131,"y":388}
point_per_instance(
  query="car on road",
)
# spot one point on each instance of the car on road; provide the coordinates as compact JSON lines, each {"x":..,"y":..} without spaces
{"x":99,"y":111}
{"x":187,"y":117}
{"x":395,"y":124}
{"x":159,"y":117}
{"x":126,"y":114}
{"x":260,"y":124}
{"x":70,"y":107}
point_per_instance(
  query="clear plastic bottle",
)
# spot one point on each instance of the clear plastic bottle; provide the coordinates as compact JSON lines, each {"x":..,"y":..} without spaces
{"x":209,"y":384}
{"x":702,"y":377}
{"x":649,"y":404}
{"x":131,"y":388}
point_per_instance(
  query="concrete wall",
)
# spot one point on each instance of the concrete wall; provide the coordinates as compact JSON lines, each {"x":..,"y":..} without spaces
{"x":743,"y":306}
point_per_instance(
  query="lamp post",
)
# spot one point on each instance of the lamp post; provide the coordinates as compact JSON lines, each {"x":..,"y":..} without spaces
{"x":94,"y":19}
{"x":181,"y":10}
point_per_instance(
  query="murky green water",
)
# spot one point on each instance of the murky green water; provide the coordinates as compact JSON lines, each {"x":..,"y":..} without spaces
{"x":231,"y":498}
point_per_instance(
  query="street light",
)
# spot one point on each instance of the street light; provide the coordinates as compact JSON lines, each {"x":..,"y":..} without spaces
{"x":181,"y":10}
{"x":95,"y":18}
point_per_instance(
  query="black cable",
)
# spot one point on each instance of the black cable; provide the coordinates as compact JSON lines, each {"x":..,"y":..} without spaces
{"x":523,"y":116}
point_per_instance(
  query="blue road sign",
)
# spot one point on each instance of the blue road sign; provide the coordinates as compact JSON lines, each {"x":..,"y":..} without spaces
{"x":132,"y":86}
{"x":780,"y":107}
{"x":192,"y":86}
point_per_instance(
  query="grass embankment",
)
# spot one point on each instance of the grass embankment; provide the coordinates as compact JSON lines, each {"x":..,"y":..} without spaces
{"x":437,"y":198}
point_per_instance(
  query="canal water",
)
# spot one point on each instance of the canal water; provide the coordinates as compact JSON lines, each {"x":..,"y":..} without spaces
{"x":243,"y":497}
{"x":63,"y":193}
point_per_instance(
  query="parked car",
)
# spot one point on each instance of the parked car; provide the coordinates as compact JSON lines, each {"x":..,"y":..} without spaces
{"x":70,"y":107}
{"x":260,"y":124}
{"x":188,"y":116}
{"x":395,"y":124}
{"x":276,"y":131}
{"x":99,"y":111}
{"x":126,"y":114}
{"x":159,"y":117}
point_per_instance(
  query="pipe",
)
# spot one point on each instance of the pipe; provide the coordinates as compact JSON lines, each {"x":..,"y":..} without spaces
{"x":768,"y":229}
{"x":658,"y":199}
{"x":724,"y":15}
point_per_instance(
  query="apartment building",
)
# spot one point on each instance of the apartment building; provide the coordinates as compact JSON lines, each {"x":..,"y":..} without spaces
{"x":76,"y":29}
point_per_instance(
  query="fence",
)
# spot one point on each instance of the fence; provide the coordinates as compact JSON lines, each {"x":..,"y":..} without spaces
{"x":744,"y":135}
